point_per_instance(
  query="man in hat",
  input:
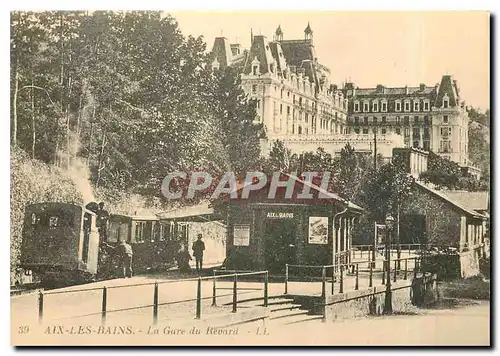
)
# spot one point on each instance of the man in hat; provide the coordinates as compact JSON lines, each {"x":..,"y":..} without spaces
{"x":198,"y":248}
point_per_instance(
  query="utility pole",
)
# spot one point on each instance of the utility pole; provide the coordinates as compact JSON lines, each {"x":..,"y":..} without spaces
{"x":375,"y":150}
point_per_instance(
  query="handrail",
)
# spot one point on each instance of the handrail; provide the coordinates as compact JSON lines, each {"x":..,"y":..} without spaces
{"x":156,"y":303}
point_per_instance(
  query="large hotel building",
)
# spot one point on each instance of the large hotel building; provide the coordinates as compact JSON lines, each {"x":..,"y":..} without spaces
{"x":299,"y":106}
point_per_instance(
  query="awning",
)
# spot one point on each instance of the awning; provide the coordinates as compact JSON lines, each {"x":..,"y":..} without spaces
{"x":198,"y":213}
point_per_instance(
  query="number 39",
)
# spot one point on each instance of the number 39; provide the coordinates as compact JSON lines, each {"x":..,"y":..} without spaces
{"x":23,"y":329}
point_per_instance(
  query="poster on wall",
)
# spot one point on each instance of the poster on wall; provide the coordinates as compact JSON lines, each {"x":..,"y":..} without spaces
{"x":241,"y":235}
{"x":318,"y":230}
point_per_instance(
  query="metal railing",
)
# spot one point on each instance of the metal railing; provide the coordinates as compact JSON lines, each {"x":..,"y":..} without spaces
{"x":156,"y":303}
{"x":338,"y":273}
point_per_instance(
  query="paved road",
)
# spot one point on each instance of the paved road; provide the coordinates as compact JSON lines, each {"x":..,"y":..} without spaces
{"x":462,"y":326}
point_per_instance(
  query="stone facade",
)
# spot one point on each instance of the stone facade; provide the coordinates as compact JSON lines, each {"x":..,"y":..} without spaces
{"x":428,"y":117}
{"x":295,"y":100}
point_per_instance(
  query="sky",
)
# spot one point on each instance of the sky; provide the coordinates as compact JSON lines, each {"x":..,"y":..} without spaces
{"x":370,"y":48}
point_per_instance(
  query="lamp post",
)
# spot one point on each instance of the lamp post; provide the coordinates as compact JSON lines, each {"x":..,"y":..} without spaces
{"x":389,"y":223}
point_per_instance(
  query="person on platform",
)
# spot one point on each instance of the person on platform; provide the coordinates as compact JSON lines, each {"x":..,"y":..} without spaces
{"x":102,"y":222}
{"x":198,"y":248}
{"x":125,"y":253}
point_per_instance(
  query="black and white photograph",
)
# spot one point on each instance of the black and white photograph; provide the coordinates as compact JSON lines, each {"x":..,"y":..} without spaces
{"x":250,"y":178}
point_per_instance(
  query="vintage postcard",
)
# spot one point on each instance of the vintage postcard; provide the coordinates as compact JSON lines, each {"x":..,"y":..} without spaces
{"x":250,"y":178}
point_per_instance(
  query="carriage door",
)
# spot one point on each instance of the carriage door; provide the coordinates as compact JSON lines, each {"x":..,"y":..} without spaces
{"x":90,"y":248}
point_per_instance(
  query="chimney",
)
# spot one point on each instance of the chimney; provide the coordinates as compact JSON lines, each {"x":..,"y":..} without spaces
{"x":422,"y":86}
{"x":406,"y":89}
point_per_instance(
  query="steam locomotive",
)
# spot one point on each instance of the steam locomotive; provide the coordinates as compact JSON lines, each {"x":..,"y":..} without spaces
{"x":61,"y":245}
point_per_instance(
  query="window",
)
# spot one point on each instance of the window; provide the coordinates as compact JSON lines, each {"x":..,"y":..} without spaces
{"x":374,"y":120}
{"x":398,"y":119}
{"x":446,"y":102}
{"x":356,"y":120}
{"x":356,"y":130}
{"x":375,"y":106}
{"x":254,"y":88}
{"x":365,"y":131}
{"x":398,"y":106}
{"x":416,"y":144}
{"x":427,"y":145}
{"x":407,"y":106}
{"x":300,"y":101}
{"x":356,"y":106}
{"x":416,"y":132}
{"x":406,"y":120}
{"x":398,"y":131}
{"x":366,"y":107}
{"x":427,"y":121}
{"x":384,"y":106}
{"x":306,"y":117}
{"x":426,"y":106}
{"x":34,"y":219}
{"x":416,"y":106}
{"x":445,"y":131}
{"x":384,"y":130}
{"x":281,"y":109}
{"x":255,"y":69}
{"x":426,"y":133}
{"x":445,"y":119}
{"x":366,"y":120}
{"x":384,"y":119}
{"x":258,"y":104}
{"x":407,"y":132}
{"x":445,"y":146}
{"x":415,"y":120}
{"x":288,"y":110}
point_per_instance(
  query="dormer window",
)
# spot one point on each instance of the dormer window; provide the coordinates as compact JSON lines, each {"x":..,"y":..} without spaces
{"x":215,"y":64}
{"x":375,"y":106}
{"x":254,"y":88}
{"x":407,"y":106}
{"x":366,"y":107}
{"x":446,"y":102}
{"x":356,"y":106}
{"x":426,"y":105}
{"x":398,"y":105}
{"x":384,"y":106}
{"x":255,"y":66}
{"x":416,"y":105}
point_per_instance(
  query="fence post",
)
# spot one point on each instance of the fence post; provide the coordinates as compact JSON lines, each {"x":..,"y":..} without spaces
{"x":341,"y":280}
{"x":266,"y":290}
{"x":356,"y":286}
{"x":395,"y":269}
{"x":104,"y":302}
{"x":383,"y":271}
{"x":286,"y":278}
{"x":198,"y":299}
{"x":323,"y":282}
{"x":40,"y":307}
{"x":214,"y":292}
{"x":371,"y":276}
{"x":406,"y":270}
{"x":333,"y":280}
{"x":415,"y":268}
{"x":235,"y":292}
{"x":155,"y":304}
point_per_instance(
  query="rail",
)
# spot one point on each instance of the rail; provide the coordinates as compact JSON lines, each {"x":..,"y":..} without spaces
{"x":337,"y":273}
{"x":156,"y":303}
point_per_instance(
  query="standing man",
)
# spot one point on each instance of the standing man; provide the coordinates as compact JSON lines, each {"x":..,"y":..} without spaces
{"x":125,"y":252}
{"x":198,"y":248}
{"x":102,"y":222}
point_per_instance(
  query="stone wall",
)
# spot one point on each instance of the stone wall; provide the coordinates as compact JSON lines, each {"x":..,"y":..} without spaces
{"x":361,"y":303}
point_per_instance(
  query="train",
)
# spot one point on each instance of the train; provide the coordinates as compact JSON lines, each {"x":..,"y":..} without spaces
{"x":61,"y":244}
